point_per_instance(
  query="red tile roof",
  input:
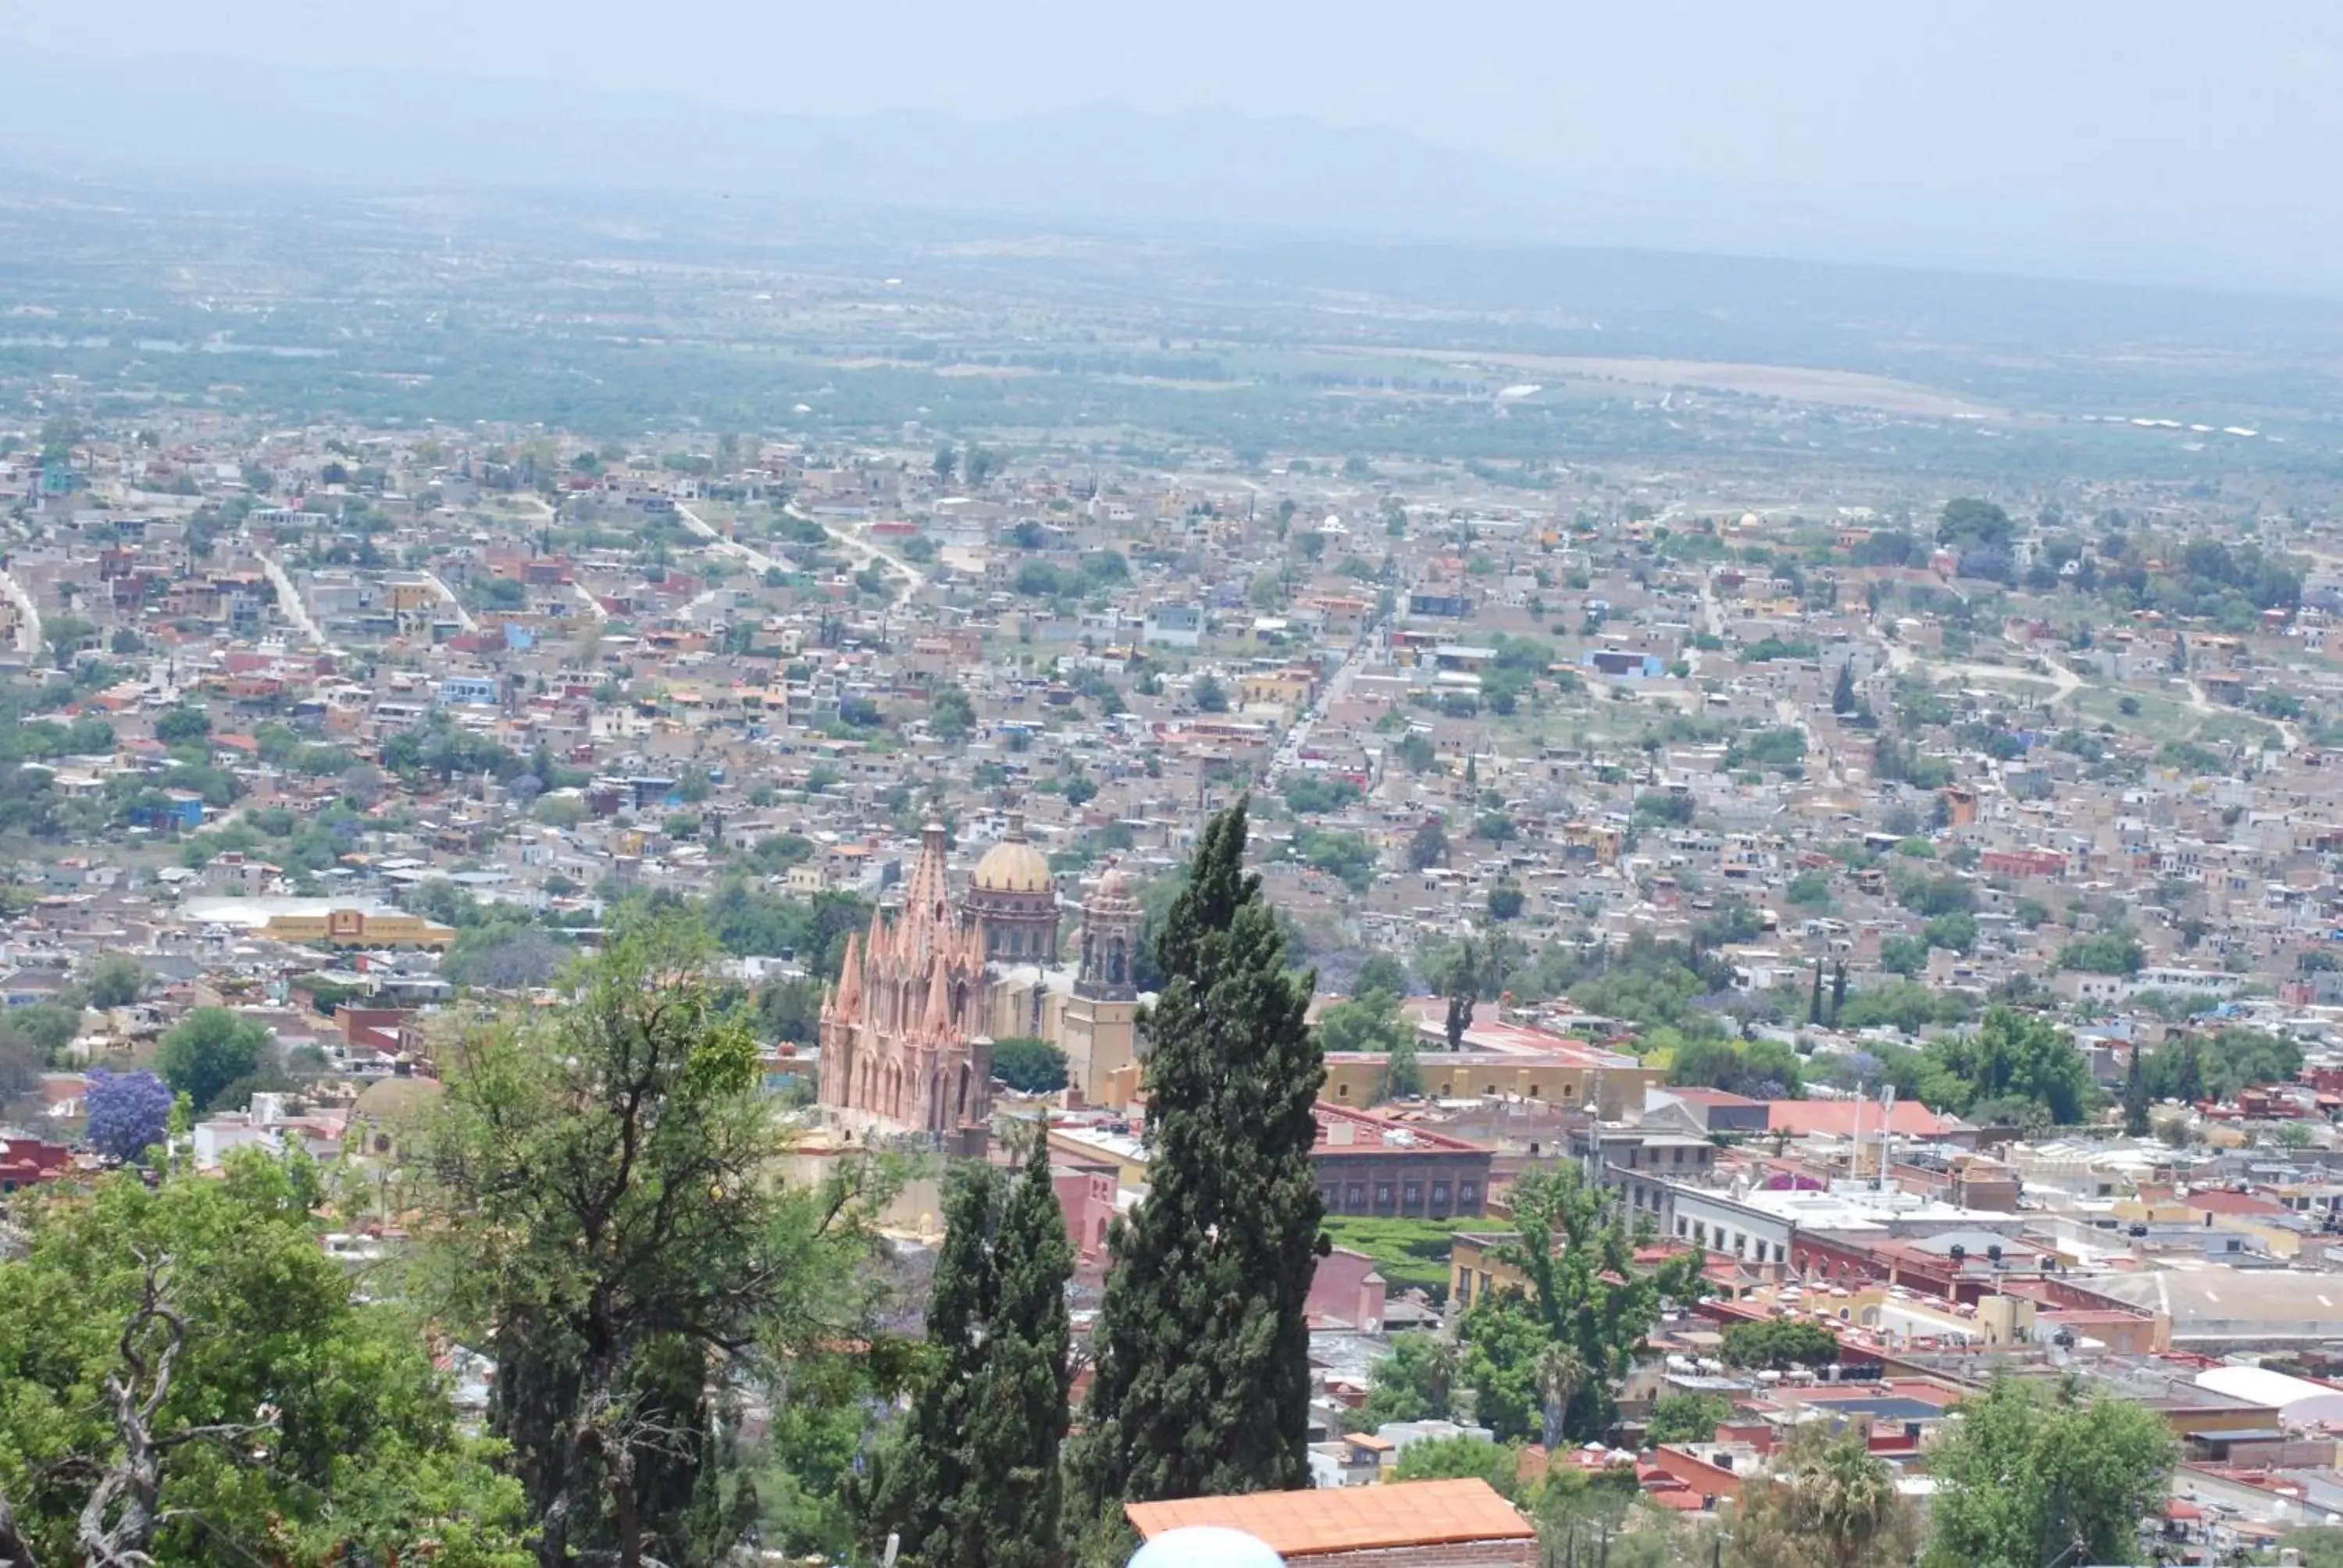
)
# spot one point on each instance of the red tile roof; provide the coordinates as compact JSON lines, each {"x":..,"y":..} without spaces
{"x":1348,"y":1518}
{"x":1835,"y":1117}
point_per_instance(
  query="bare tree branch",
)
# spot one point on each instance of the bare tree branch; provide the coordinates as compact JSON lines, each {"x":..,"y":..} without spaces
{"x":124,"y":1511}
{"x":16,"y":1551}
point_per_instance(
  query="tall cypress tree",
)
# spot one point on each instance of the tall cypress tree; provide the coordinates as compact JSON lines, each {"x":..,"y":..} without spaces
{"x":1019,"y":1416}
{"x":974,"y":1480}
{"x":923,"y":1477}
{"x":1203,"y":1377}
{"x":2134,"y":1102}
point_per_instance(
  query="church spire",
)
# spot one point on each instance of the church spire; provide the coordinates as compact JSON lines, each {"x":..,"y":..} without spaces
{"x":927,"y":898}
{"x":849,"y":980}
{"x":938,"y":1023}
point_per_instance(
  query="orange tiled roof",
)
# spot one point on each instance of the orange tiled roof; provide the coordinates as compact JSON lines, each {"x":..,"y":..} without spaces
{"x":1348,"y":1518}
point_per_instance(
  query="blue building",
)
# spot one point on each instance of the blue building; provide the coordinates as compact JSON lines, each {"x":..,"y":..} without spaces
{"x":1620,"y":665}
{"x":467,"y":691}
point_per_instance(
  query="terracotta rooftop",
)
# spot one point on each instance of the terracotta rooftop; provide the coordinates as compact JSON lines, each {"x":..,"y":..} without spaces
{"x":1348,"y":1518}
{"x":1835,"y":1117}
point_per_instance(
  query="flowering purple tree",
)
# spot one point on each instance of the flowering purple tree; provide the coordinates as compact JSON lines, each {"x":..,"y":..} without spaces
{"x":129,"y":1112}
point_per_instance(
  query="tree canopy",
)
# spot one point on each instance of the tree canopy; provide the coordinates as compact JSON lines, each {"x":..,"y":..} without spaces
{"x":599,"y":1211}
{"x":2032,"y":1474}
{"x":1587,"y":1296}
{"x":208,"y":1051}
{"x":191,"y":1376}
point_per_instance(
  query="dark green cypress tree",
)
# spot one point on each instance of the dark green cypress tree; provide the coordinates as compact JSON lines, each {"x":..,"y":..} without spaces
{"x":1815,"y":1002}
{"x":2135,"y":1118}
{"x":1838,"y":991}
{"x":1202,"y":1348}
{"x":1017,"y":1418}
{"x":973,"y":1480}
{"x":1843,"y":694}
{"x":922,"y":1478}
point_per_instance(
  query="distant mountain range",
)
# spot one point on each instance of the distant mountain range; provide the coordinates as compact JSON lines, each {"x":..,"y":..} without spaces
{"x":1220,"y":173}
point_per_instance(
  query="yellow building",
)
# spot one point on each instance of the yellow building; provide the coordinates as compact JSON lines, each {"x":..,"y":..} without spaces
{"x":1504,"y":1060}
{"x":1598,"y":841}
{"x":1474,"y":1269}
{"x":1286,"y":688}
{"x":340,"y":922}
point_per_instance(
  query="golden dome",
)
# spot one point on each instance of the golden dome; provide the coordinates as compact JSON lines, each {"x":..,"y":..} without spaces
{"x":1013,"y":866}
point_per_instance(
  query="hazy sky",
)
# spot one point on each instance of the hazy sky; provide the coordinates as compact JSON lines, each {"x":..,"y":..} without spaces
{"x":2220,"y":115}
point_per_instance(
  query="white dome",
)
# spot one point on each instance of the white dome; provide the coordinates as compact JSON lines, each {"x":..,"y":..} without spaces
{"x":1206,"y":1546}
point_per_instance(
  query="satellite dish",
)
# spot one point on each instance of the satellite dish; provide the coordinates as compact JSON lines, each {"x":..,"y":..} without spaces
{"x":1206,"y":1546}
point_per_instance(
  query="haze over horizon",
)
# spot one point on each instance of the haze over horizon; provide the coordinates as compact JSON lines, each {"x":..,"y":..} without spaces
{"x":2140,"y":143}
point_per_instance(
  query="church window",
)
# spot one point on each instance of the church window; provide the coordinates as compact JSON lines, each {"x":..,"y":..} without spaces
{"x":1114,"y":963}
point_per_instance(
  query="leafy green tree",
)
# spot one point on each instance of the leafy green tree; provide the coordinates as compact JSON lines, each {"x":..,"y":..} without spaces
{"x":1502,"y":1335}
{"x":1761,"y":1068}
{"x":2194,"y":1068}
{"x":116,"y":981}
{"x":1027,"y":1065}
{"x":599,"y":1211}
{"x":1347,"y":857}
{"x":1401,"y":1077}
{"x":2012,"y":1056}
{"x":951,"y":714}
{"x":1461,"y":1459}
{"x":1428,"y":846}
{"x":2031,"y":1475}
{"x":1828,"y":1502}
{"x":1381,"y":972}
{"x":1957,"y":931}
{"x":1203,"y":1380}
{"x":1905,"y":956}
{"x":1778,"y":1343}
{"x":1208,"y":694}
{"x":1686,"y":1417}
{"x":43,"y":1028}
{"x":182,"y":726}
{"x":2106,"y":953}
{"x":1808,"y":889}
{"x":1312,"y":794}
{"x":1416,"y":1382}
{"x":1372,"y":1021}
{"x":209,"y":1050}
{"x":2136,"y":1099}
{"x":193,"y":1379}
{"x":1586,"y":1294}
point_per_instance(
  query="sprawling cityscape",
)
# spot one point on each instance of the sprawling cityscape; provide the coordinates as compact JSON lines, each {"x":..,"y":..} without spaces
{"x":970,"y":898}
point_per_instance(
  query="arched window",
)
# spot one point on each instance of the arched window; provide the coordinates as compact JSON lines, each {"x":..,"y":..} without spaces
{"x":1114,"y":962}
